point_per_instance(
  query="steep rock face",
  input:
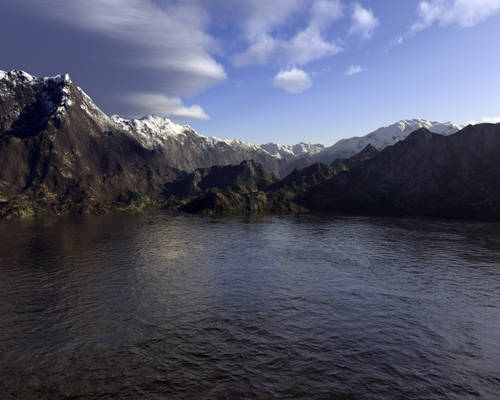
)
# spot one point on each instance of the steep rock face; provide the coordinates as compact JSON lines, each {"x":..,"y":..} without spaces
{"x":427,"y":175}
{"x":59,"y":153}
{"x":381,"y":138}
{"x":185,"y":149}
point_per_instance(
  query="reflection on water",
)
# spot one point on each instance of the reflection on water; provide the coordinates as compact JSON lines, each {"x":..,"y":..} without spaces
{"x":159,"y":306}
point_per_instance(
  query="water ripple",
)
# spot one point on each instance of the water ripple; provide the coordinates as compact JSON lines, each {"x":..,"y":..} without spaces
{"x":158,"y":306}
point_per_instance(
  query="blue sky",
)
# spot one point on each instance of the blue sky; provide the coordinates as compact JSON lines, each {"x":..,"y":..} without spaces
{"x":267,"y":70}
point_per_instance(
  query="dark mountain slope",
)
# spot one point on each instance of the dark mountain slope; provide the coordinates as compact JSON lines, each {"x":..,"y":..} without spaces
{"x":427,"y":174}
{"x":222,"y":190}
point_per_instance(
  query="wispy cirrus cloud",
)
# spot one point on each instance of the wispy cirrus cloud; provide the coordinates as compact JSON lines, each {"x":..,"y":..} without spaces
{"x":463,"y":13}
{"x":460,"y":13}
{"x":353,"y":70}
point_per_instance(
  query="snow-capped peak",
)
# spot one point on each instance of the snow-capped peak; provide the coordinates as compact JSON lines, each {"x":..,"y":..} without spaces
{"x":152,"y":131}
{"x":391,"y":134}
{"x":17,"y":76}
{"x":53,"y":92}
{"x":385,"y":136}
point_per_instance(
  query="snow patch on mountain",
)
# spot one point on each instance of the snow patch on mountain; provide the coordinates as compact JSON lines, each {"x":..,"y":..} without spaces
{"x":154,"y":132}
{"x":292,"y":151}
{"x":383,"y":137}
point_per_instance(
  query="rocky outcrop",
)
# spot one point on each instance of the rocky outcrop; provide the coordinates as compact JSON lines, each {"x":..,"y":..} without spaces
{"x":222,"y":190}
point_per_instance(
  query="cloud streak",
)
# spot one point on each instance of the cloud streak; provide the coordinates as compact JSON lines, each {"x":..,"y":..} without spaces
{"x":160,"y":34}
{"x":163,"y":106}
{"x":486,"y":120}
{"x":353,"y":70}
{"x":463,"y":13}
{"x":165,"y":49}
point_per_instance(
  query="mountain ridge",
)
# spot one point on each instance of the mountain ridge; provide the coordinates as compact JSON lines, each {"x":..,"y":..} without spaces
{"x":187,"y":149}
{"x":60,"y":154}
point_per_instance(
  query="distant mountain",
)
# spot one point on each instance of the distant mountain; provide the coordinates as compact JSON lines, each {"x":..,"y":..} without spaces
{"x":381,"y":138}
{"x":185,"y":149}
{"x":427,"y":174}
{"x":292,"y":151}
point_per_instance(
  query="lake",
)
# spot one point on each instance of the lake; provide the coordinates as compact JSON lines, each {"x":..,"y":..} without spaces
{"x":159,"y":306}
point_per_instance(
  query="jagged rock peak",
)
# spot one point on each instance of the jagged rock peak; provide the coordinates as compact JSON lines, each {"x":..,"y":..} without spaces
{"x":31,"y":98}
{"x":16,"y":76}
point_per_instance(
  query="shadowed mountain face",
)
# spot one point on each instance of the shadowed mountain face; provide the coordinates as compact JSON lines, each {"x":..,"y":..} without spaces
{"x":59,"y":153}
{"x":427,"y":174}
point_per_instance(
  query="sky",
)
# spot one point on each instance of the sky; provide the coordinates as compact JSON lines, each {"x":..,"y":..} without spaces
{"x":281,"y":71}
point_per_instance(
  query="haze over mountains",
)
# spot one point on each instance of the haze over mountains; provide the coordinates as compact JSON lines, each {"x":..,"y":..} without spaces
{"x":60,"y":153}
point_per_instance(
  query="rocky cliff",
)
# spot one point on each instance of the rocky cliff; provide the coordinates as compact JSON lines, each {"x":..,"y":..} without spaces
{"x":59,"y":153}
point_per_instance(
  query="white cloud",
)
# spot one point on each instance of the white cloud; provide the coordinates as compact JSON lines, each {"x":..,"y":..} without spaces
{"x":364,"y":21}
{"x":308,"y":45}
{"x":262,"y":17}
{"x":325,"y":12}
{"x":163,"y":106}
{"x":353,"y":70}
{"x":463,"y":13}
{"x":171,"y":39}
{"x":301,"y":48}
{"x":258,"y":53}
{"x":293,"y":80}
{"x":491,"y":120}
{"x":486,"y":120}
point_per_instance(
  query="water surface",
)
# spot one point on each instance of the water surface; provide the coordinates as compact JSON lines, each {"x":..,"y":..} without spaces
{"x":308,"y":307}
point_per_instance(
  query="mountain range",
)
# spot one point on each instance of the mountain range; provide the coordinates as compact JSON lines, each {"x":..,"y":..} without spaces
{"x":59,"y":153}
